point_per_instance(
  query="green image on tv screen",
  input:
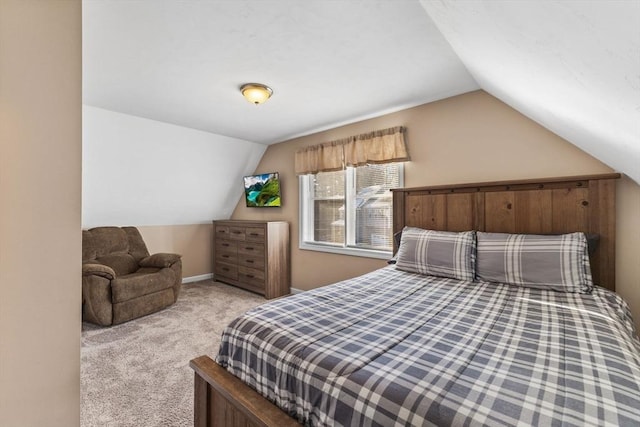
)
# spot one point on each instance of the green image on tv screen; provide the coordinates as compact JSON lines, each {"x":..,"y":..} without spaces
{"x":262,"y":190}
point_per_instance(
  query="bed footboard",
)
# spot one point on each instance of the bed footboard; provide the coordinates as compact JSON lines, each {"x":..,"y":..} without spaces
{"x":222,"y":400}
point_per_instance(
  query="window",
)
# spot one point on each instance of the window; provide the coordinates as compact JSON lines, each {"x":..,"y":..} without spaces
{"x":349,"y":211}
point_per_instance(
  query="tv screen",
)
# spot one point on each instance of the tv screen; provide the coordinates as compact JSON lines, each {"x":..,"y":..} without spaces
{"x":262,"y":190}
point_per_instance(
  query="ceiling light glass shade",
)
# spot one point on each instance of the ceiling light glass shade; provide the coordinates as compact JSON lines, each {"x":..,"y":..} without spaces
{"x":256,"y":93}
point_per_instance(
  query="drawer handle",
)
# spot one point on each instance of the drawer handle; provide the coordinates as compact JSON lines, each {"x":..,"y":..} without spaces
{"x":250,"y":276}
{"x":237,"y":232}
{"x":225,"y":256}
{"x":253,"y":234}
{"x":225,"y":244}
{"x":221,"y":231}
{"x":249,"y":261}
{"x":249,"y":248}
{"x":225,"y":269}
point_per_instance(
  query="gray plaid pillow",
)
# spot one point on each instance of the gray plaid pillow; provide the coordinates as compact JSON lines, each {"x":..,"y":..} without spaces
{"x":437,"y":253}
{"x":546,"y":262}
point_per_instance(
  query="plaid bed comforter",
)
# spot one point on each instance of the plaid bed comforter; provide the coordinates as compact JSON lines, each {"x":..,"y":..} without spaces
{"x":392,"y":348}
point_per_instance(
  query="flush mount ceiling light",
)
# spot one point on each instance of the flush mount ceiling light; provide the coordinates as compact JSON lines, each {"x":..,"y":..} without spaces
{"x":256,"y":93}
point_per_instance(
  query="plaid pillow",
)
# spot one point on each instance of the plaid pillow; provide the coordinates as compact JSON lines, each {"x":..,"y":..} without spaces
{"x":437,"y":253}
{"x":546,"y":262}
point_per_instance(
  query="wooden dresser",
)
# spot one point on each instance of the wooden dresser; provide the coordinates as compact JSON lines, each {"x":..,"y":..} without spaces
{"x":253,"y":255}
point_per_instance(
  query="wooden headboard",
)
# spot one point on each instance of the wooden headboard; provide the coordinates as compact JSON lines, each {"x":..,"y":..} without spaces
{"x":534,"y":206}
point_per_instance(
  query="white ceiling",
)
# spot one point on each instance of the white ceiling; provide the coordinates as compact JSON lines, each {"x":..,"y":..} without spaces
{"x":573,"y":66}
{"x":328,"y":62}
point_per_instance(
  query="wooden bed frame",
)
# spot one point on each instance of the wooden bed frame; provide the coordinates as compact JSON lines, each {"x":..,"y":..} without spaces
{"x":538,"y":206}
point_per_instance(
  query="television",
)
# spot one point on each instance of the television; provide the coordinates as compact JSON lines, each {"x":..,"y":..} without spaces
{"x":262,"y":190}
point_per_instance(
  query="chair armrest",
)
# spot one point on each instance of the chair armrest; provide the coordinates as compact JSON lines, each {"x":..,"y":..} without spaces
{"x":160,"y":260}
{"x":98,"y":270}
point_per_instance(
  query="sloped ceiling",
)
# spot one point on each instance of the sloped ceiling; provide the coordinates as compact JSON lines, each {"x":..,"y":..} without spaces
{"x":573,"y":66}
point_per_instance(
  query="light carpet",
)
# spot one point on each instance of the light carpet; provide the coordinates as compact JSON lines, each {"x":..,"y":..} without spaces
{"x":138,"y":374}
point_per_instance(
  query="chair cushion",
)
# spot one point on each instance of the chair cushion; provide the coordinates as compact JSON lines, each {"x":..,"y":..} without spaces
{"x":142,"y":282}
{"x":107,"y":240}
{"x":137,"y":248}
{"x":121,"y":263}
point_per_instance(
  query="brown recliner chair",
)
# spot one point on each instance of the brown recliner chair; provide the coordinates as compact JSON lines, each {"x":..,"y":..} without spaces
{"x":120,"y":281}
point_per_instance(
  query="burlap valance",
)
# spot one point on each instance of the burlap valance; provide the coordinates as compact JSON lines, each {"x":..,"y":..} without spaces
{"x":382,"y":146}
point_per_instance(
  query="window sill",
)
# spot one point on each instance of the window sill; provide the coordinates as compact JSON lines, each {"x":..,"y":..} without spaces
{"x":366,"y":253}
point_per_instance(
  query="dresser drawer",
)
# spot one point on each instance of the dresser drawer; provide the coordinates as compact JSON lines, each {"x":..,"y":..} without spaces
{"x":251,"y":276}
{"x":255,"y":234}
{"x":251,"y":261}
{"x":221,"y":232}
{"x":250,"y":248}
{"x":226,"y":270}
{"x":226,"y":246}
{"x":237,"y":233}
{"x":229,"y":257}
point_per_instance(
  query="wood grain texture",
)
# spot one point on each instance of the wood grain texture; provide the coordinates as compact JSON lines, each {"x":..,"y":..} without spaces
{"x":522,"y":184}
{"x":533,"y":211}
{"x":456,"y":203}
{"x":201,"y":402}
{"x":602,"y":200}
{"x":230,"y":402}
{"x":499,"y":212}
{"x":253,"y":255}
{"x":544,"y":206}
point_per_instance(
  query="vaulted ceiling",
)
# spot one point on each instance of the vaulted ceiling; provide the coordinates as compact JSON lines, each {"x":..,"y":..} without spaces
{"x":572,"y":66}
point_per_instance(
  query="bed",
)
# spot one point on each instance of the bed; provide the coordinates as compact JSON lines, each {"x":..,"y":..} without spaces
{"x":395,"y":347}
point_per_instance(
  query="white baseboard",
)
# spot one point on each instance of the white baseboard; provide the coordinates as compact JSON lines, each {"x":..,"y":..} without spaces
{"x":197,"y":278}
{"x":296,"y":291}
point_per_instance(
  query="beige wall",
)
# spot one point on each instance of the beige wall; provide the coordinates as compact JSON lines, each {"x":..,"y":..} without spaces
{"x":193,"y":242}
{"x":40,"y":179}
{"x":628,"y":244}
{"x":468,"y":138}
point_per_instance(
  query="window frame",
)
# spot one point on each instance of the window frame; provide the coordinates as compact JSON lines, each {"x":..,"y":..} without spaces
{"x":305,"y":213}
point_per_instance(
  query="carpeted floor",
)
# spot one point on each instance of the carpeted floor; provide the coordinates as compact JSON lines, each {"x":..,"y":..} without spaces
{"x":137,"y":373}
